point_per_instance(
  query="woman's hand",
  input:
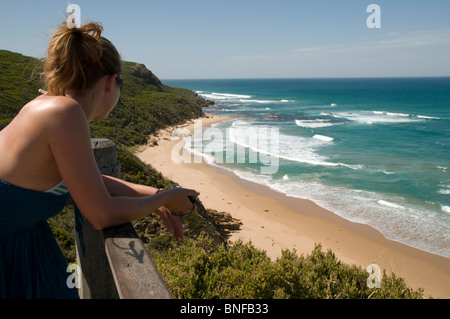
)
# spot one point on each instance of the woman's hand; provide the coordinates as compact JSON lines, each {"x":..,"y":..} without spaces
{"x":179,"y":202}
{"x":118,"y":187}
{"x":172,"y":223}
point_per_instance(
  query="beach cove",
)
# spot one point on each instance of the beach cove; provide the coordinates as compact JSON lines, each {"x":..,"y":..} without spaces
{"x":273,"y":221}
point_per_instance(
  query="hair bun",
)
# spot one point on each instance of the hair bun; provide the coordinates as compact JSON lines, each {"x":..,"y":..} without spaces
{"x":78,"y":34}
{"x":91,"y":29}
{"x":77,"y":57}
{"x":85,"y":43}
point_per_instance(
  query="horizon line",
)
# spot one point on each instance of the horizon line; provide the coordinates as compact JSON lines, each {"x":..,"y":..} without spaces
{"x":307,"y":78}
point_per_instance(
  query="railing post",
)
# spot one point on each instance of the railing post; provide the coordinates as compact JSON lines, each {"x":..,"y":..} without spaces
{"x":97,"y":281}
{"x":117,"y":264}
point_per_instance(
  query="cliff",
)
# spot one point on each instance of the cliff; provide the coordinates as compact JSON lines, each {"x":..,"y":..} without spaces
{"x":140,"y":71}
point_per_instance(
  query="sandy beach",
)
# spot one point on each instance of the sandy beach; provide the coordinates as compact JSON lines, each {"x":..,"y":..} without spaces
{"x":272,"y":221}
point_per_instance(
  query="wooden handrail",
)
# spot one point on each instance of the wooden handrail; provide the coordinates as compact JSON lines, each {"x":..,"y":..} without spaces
{"x":134,"y":272}
{"x":116,"y":264}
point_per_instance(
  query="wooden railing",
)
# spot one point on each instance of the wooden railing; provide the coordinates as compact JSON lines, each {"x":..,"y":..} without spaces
{"x":116,"y":263}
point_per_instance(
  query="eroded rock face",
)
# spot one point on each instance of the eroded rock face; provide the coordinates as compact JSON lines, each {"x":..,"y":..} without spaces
{"x":142,"y":72}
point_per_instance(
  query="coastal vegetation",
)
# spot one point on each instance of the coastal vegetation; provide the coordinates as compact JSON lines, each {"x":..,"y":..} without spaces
{"x":205,"y":264}
{"x":198,"y":269}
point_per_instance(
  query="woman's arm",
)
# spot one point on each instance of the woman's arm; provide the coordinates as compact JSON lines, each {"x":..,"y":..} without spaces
{"x":69,"y":139}
{"x":118,"y":187}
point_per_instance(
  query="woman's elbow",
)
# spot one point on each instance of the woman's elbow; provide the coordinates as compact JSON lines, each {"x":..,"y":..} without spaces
{"x":104,"y":215}
{"x":102,"y":221}
{"x":97,"y":223}
{"x":98,"y":219}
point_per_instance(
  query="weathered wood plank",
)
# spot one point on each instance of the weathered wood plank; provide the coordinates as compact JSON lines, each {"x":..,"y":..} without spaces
{"x":134,"y":272}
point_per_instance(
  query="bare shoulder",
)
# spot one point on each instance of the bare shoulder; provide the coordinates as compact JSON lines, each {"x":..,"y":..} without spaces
{"x":55,"y":111}
{"x":56,"y":105}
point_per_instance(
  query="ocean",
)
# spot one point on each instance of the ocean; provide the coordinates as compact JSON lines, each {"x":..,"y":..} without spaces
{"x":373,"y":151}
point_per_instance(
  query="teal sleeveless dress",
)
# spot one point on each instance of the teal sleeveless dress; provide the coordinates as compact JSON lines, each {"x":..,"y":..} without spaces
{"x":31,"y":263}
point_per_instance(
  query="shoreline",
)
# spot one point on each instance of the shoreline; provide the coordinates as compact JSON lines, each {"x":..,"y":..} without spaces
{"x":273,"y":221}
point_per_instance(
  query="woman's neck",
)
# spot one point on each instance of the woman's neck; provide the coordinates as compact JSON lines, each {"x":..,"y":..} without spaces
{"x":88,"y":99}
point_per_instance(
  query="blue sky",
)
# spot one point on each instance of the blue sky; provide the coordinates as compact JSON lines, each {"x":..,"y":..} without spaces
{"x":190,"y":39}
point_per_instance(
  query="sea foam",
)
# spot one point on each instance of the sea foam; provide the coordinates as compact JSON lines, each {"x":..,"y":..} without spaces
{"x":314,"y":123}
{"x":389,"y":204}
{"x":377,"y":117}
{"x":323,"y":138}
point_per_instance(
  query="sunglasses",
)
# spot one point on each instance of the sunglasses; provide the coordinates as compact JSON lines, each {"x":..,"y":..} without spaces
{"x":119,"y":81}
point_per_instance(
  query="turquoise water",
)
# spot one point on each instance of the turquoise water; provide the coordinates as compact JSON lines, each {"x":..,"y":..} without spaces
{"x":374,"y":151}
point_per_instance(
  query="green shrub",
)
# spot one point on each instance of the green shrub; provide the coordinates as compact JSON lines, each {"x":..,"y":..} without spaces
{"x":198,"y":270}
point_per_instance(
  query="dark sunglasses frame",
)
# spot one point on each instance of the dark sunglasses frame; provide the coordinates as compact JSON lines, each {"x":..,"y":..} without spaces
{"x":119,"y":81}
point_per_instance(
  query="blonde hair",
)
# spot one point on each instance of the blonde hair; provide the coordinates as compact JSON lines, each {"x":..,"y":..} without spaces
{"x":77,"y":58}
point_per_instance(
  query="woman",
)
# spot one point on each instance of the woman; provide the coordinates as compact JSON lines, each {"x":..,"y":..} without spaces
{"x":47,"y":148}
